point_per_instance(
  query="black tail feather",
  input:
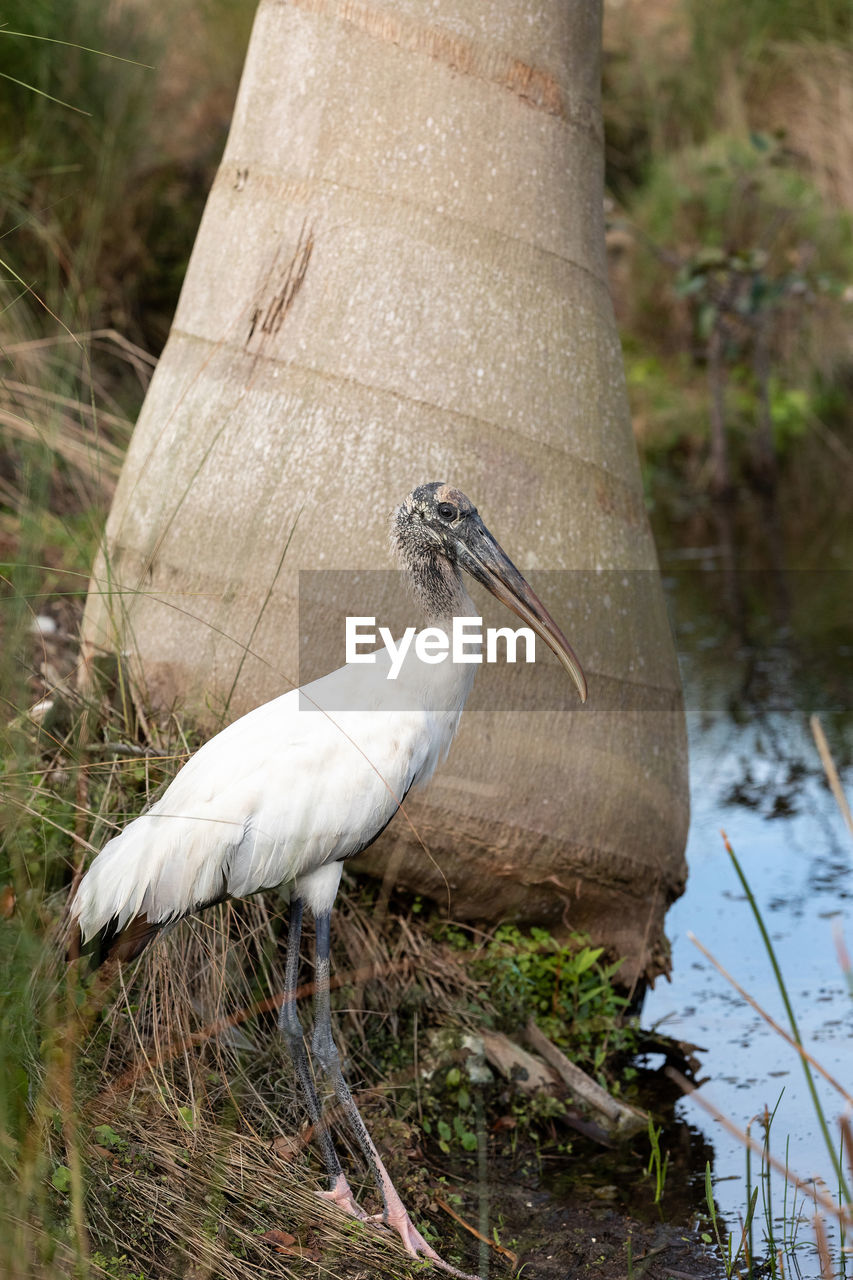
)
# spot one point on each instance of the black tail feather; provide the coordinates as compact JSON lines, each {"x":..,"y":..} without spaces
{"x":113,"y":943}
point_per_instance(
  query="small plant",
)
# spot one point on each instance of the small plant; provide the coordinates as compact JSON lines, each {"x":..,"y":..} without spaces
{"x":117,"y":1267}
{"x":563,"y":985}
{"x":730,"y":1255}
{"x":658,"y":1162}
{"x":106,"y":1136}
{"x":455,"y":1101}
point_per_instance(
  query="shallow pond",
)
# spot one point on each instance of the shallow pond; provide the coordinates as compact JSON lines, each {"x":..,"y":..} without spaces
{"x":760,"y":652}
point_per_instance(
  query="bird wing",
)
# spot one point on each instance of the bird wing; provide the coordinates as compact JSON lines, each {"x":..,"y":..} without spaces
{"x":277,"y":794}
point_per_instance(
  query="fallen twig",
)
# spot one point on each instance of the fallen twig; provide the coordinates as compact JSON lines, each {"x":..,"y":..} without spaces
{"x":622,"y":1120}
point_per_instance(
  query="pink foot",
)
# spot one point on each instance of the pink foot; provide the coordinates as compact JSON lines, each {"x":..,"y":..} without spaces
{"x":413,"y":1242}
{"x":395,"y":1216}
{"x":341,"y":1195}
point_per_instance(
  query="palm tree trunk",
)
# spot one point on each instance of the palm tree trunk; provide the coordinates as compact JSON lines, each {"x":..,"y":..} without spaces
{"x":400,"y":277}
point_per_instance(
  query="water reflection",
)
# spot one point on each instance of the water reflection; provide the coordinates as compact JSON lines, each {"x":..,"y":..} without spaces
{"x":759,"y":652}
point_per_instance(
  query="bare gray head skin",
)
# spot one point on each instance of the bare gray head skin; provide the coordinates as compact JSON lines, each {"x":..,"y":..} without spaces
{"x":436,"y":532}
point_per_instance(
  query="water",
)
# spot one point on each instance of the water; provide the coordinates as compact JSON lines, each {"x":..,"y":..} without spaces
{"x":759,"y":653}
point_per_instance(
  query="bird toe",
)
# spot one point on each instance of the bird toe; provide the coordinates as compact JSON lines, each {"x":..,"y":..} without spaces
{"x":341,"y":1195}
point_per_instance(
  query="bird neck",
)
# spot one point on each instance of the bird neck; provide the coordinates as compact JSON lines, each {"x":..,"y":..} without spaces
{"x":439,"y":590}
{"x":443,"y":687}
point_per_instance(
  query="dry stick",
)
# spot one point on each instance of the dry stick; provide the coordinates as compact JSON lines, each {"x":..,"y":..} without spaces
{"x":842,"y":952}
{"x":498,"y":1248}
{"x":786,"y":1036}
{"x":34,"y":813}
{"x":842,"y":1213}
{"x":831,"y":771}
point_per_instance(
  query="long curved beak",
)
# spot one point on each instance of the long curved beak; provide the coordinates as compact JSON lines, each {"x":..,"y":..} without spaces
{"x":482,"y":556}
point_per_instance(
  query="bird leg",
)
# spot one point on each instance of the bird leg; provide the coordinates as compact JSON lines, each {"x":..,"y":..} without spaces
{"x":323,"y":1047}
{"x":291,"y":1029}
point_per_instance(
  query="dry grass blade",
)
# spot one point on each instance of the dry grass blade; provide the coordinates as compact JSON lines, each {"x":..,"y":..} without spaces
{"x":780,"y":1031}
{"x":40,"y":395}
{"x":203,"y":1202}
{"x":70,"y":443}
{"x":831,"y":771}
{"x":34,"y":813}
{"x":223,"y":1025}
{"x":106,"y":336}
{"x":826,"y":1272}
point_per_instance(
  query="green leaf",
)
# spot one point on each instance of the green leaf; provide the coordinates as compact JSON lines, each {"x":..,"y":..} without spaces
{"x":186,"y":1114}
{"x":709,"y":256}
{"x":61,"y":1178}
{"x":706,"y":320}
{"x":106,"y":1136}
{"x":688,"y":285}
{"x":587,"y":958}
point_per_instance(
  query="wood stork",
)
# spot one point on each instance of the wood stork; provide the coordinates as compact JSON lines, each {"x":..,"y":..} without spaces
{"x":287,"y":793}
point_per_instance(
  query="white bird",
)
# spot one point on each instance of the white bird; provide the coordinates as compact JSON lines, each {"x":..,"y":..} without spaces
{"x":284,"y":795}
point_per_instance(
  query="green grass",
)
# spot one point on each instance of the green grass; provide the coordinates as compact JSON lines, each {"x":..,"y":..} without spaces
{"x":565,"y":985}
{"x":72,"y":202}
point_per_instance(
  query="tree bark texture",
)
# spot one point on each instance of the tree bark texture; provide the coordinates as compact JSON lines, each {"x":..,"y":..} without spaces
{"x":400,"y":277}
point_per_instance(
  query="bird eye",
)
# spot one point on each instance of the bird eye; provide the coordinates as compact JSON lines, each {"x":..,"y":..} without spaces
{"x":447,"y":511}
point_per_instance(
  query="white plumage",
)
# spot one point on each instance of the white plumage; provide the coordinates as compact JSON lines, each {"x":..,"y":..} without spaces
{"x":281,"y":796}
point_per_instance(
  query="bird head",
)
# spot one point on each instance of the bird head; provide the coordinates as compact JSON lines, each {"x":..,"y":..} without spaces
{"x":437,"y":527}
